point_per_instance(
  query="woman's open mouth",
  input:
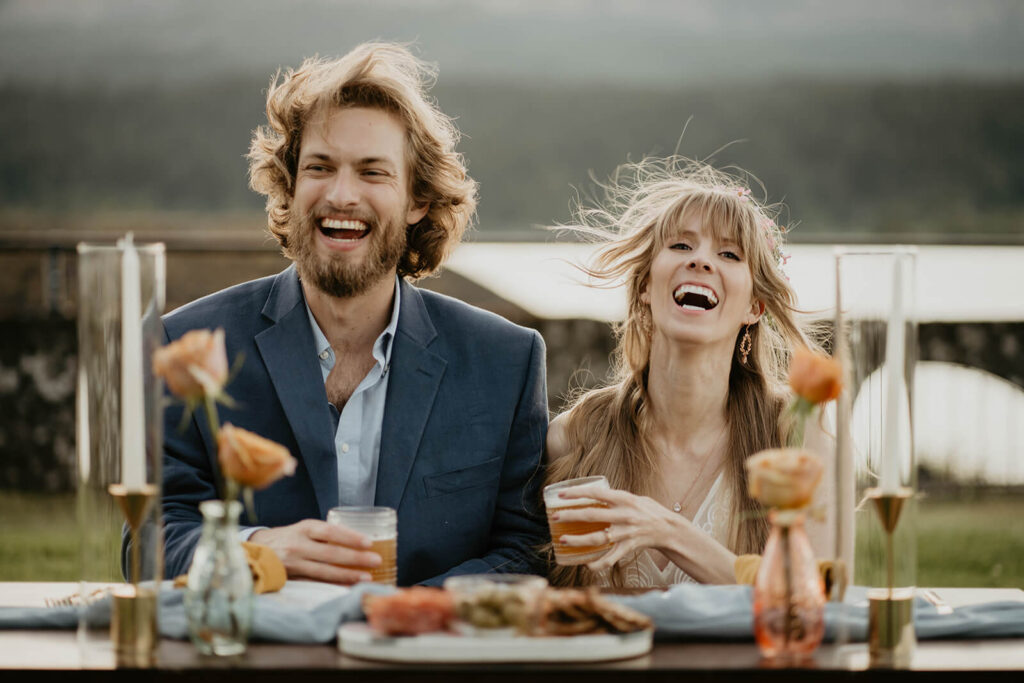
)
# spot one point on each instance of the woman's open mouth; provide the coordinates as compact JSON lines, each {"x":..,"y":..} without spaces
{"x":691,"y":297}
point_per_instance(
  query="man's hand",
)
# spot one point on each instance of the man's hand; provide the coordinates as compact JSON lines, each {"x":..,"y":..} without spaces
{"x":312,"y":549}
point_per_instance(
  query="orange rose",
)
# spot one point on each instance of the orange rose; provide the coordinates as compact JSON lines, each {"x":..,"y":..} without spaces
{"x":783,"y":478}
{"x":814,"y":376}
{"x":251,"y":460}
{"x":193,"y":366}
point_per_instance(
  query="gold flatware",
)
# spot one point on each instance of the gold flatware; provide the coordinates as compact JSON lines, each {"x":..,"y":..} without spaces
{"x":941,"y":606}
{"x":74,"y":599}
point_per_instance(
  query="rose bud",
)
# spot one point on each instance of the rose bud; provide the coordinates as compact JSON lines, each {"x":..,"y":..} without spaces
{"x":815,"y":377}
{"x":193,"y":366}
{"x":783,"y":478}
{"x":251,"y":460}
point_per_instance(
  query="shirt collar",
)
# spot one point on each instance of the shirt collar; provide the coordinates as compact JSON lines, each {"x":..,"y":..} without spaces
{"x":382,"y":345}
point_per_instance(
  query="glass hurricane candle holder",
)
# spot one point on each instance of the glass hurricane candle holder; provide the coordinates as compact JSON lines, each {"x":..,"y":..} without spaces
{"x":119,"y":446}
{"x":876,"y":338}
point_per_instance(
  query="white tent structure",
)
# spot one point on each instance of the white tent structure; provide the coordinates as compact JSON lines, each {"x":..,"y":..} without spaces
{"x":967,"y":422}
{"x":954,"y":283}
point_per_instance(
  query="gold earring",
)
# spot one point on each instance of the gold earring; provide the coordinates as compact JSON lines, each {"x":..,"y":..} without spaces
{"x":645,"y":320}
{"x":745,"y":346}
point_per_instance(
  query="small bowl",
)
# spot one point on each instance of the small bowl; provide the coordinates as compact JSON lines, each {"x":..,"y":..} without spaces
{"x":496,"y":604}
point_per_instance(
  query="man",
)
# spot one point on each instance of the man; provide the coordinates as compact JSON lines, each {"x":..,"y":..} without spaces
{"x":386,"y":394}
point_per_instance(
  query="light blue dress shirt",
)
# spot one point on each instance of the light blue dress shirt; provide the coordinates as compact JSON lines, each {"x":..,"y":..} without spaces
{"x":358,"y":427}
{"x":357,"y":437}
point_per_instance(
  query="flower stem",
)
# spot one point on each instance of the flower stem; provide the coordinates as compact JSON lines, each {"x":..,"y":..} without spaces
{"x":230,"y":487}
{"x":210,"y":403}
{"x":801,"y":409}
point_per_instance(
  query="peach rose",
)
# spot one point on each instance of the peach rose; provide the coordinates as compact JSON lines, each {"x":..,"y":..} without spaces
{"x":251,"y":460}
{"x":814,"y":376}
{"x":783,"y":478}
{"x":195,"y":365}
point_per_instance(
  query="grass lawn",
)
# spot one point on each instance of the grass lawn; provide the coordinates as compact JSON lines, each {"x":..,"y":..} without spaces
{"x":39,"y":537}
{"x":971,"y":543}
{"x":960,"y":542}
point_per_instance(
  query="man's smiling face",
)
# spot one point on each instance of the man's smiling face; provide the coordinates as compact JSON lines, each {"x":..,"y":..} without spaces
{"x":352,"y":202}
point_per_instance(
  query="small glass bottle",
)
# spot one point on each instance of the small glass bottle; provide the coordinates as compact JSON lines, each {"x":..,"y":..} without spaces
{"x":218,"y":596}
{"x":789,"y":595}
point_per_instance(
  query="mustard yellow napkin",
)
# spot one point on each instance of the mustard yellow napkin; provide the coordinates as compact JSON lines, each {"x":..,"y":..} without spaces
{"x":268,"y":573}
{"x":745,"y":567}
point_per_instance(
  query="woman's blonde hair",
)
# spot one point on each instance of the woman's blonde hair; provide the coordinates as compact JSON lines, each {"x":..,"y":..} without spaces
{"x":381,"y":76}
{"x":608,"y":429}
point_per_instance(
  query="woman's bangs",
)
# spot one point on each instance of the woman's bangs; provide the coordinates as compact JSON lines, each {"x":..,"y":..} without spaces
{"x":719,"y":217}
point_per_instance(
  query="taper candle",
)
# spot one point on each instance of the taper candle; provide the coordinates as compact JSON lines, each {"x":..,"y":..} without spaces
{"x":133,"y":444}
{"x":895,"y":396}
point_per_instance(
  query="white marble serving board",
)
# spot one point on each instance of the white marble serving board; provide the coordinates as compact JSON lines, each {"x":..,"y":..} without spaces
{"x":359,"y":640}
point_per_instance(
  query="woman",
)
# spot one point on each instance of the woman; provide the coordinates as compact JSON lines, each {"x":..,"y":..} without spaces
{"x":698,"y":382}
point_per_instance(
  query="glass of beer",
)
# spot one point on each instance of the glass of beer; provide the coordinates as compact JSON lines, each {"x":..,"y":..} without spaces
{"x":575,"y":554}
{"x":380,"y":525}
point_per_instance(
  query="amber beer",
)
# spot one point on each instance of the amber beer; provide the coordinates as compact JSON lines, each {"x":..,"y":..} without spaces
{"x":575,"y":554}
{"x":379,"y":524}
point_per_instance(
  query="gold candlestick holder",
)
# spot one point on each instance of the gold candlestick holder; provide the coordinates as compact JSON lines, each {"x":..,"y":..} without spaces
{"x":891,"y":637}
{"x":133,"y":612}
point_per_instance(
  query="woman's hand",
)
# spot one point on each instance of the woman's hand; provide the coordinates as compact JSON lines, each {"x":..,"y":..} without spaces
{"x":637,"y":523}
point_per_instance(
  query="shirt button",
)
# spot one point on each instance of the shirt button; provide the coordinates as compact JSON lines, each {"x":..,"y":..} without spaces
{"x":324,"y":354}
{"x":344,"y":448}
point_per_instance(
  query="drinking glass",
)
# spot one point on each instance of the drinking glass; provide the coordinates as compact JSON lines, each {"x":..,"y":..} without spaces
{"x":578,"y":554}
{"x":380,"y":525}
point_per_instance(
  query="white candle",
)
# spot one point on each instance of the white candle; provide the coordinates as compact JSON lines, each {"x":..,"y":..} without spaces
{"x":133,"y":444}
{"x":892,"y":448}
{"x":845,"y":478}
{"x":82,"y":423}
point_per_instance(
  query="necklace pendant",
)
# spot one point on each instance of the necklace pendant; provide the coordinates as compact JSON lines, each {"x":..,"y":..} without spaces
{"x":677,"y":507}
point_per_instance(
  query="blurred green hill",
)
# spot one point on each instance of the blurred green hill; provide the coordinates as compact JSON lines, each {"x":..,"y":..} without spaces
{"x":856,"y":156}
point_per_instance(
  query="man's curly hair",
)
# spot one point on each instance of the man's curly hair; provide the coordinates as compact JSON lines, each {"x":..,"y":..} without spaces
{"x":382,"y":76}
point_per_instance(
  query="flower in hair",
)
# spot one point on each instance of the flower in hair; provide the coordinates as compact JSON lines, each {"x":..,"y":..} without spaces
{"x":770,"y":228}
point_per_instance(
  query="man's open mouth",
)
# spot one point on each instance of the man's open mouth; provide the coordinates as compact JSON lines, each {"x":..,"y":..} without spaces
{"x":695,"y":298}
{"x":343,"y":230}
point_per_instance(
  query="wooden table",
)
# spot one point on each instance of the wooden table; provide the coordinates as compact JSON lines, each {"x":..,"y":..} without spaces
{"x":34,"y":654}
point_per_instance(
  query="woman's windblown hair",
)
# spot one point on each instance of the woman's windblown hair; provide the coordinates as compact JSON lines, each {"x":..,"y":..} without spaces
{"x":608,"y":429}
{"x":382,"y":76}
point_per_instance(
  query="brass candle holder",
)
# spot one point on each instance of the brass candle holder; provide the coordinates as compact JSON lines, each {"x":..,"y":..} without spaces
{"x":891,"y":637}
{"x":133,"y":612}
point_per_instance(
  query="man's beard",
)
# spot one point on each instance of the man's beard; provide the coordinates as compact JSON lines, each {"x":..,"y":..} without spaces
{"x":337,"y":276}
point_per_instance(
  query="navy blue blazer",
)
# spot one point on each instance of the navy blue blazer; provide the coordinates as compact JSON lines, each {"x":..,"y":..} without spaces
{"x":465,"y":420}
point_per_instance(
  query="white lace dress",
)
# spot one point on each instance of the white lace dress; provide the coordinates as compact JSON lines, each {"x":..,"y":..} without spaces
{"x":641,"y":571}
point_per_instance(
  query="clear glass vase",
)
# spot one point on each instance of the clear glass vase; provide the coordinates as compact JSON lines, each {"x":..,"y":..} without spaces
{"x":218,"y":596}
{"x":789,"y":595}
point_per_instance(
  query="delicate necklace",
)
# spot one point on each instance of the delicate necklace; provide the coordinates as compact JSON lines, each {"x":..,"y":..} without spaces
{"x":678,"y":505}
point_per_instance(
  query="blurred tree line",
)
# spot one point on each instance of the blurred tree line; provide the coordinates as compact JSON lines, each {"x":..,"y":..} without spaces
{"x":866,"y":157}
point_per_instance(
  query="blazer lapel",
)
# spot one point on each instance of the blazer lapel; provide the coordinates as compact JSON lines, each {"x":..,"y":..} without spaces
{"x":416,"y":374}
{"x":287,"y":348}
